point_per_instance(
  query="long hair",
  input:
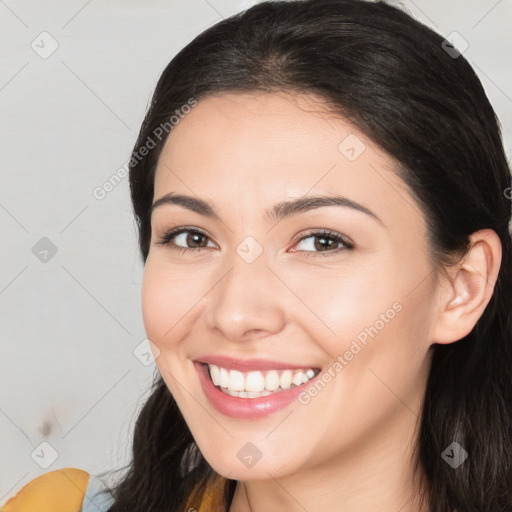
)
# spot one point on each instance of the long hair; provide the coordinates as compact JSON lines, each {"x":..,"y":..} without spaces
{"x":392,"y":78}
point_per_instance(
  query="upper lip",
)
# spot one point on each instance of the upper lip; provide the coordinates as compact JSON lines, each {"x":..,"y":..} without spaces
{"x":244,"y":365}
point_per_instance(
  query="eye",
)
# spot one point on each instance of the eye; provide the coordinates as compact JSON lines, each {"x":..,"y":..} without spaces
{"x":324,"y":241}
{"x":192,"y":239}
{"x":184,"y":239}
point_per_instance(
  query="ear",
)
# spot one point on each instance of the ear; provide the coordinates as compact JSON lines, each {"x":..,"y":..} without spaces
{"x":467,"y":288}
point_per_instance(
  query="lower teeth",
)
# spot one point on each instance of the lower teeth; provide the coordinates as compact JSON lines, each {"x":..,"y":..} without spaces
{"x":252,"y":394}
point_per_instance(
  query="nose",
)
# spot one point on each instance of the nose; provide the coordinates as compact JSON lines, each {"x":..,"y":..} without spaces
{"x":247,"y":302}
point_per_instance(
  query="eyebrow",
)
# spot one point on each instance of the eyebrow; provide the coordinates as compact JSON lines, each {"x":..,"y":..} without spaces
{"x":278,"y":212}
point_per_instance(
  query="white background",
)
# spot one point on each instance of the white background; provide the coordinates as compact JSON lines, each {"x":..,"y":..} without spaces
{"x":70,"y":325}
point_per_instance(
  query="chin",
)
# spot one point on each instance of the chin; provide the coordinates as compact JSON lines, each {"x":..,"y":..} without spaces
{"x":246,"y":462}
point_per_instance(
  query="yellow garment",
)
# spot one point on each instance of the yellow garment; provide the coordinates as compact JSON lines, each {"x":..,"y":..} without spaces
{"x":62,"y":490}
{"x":208,"y":496}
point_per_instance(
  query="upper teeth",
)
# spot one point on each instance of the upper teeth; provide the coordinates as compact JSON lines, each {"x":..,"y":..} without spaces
{"x":257,"y":381}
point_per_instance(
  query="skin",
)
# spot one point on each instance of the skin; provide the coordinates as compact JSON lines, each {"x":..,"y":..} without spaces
{"x":352,"y":444}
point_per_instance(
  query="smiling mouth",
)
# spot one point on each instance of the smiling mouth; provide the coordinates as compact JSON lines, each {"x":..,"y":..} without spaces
{"x":255,"y":384}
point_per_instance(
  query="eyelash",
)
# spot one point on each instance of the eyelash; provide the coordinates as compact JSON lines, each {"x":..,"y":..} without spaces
{"x":165,"y":240}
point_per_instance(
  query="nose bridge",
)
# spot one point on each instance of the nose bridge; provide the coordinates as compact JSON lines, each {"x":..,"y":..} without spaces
{"x":245,"y":299}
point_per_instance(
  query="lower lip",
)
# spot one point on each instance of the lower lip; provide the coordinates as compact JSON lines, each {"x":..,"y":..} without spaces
{"x":246,"y":408}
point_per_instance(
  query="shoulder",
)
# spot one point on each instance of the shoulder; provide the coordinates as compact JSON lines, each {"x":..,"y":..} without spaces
{"x":62,"y":490}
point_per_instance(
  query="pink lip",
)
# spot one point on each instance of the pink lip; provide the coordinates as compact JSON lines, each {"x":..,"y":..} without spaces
{"x":246,"y":408}
{"x":246,"y":365}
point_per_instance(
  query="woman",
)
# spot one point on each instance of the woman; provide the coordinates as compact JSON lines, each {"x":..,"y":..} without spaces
{"x":288,"y":102}
{"x":374,"y":376}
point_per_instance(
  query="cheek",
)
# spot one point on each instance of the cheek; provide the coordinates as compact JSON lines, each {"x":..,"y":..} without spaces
{"x":343,"y":301}
{"x":155,"y":302}
{"x":167,"y":296}
{"x":378,"y":302}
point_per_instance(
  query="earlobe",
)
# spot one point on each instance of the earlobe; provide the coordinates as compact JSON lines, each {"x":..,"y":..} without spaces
{"x":470,"y":287}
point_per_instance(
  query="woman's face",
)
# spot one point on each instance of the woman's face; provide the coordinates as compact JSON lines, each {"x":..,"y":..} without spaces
{"x":265,"y":295}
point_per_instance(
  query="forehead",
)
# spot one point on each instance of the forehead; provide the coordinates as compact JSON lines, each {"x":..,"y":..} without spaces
{"x":239,"y":146}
